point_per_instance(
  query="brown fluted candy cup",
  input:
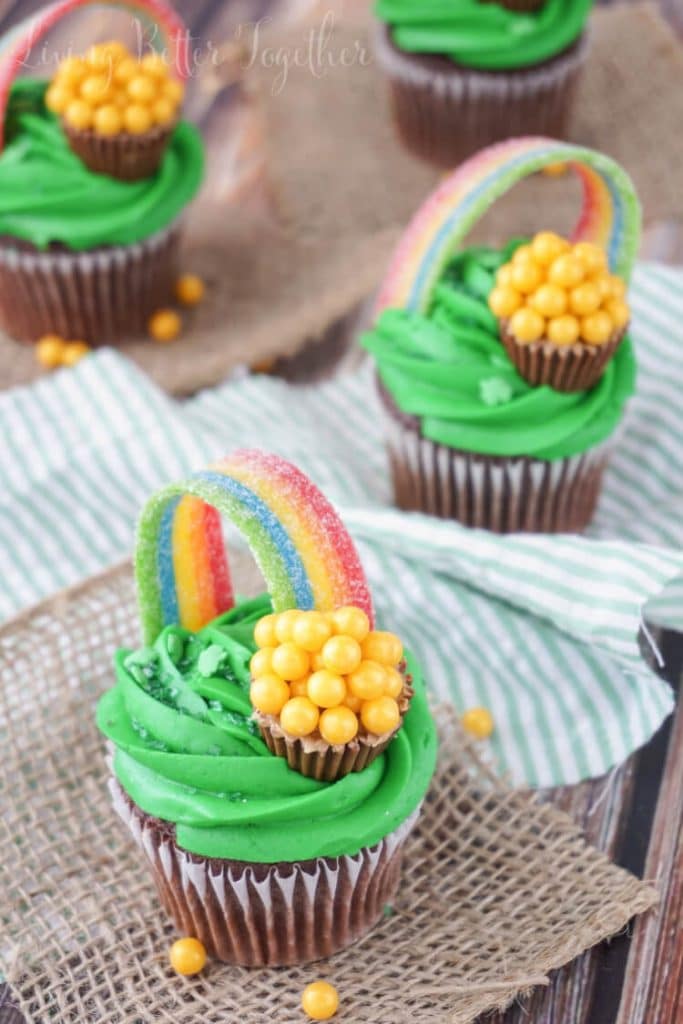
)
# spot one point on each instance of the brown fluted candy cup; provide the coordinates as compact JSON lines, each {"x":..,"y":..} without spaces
{"x":124,"y":156}
{"x":500,"y":493}
{"x":313,"y":757}
{"x":445,"y":112}
{"x":267,"y":915}
{"x":565,"y":368}
{"x":521,"y":6}
{"x":102,"y":295}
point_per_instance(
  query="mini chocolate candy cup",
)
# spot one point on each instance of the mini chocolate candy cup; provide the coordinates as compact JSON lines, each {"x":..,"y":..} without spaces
{"x":267,"y":915}
{"x":319,"y":760}
{"x":521,"y":6}
{"x":565,"y":368}
{"x":504,"y":494}
{"x":124,"y":156}
{"x":445,"y":112}
{"x":102,"y":296}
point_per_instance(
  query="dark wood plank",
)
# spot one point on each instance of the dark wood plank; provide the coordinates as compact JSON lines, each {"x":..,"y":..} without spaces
{"x":653,"y":983}
{"x":635,"y":815}
{"x":8,"y":1012}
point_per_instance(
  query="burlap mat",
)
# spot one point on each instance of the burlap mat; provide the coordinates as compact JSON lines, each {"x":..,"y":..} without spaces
{"x":310,"y":237}
{"x":497,"y":890}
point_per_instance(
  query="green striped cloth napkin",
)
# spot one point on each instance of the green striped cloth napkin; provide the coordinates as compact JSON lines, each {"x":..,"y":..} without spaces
{"x":542,"y":630}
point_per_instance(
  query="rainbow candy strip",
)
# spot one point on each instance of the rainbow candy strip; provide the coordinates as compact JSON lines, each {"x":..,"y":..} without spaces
{"x":17,"y":44}
{"x":610,"y":216}
{"x":307,"y":558}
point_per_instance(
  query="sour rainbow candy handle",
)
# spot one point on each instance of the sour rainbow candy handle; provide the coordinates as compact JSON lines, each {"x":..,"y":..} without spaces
{"x":17,"y":44}
{"x":307,"y":558}
{"x":610,"y":216}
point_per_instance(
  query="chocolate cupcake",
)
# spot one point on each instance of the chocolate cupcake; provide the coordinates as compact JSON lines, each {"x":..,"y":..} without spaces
{"x":83,"y":254}
{"x":265,"y":865}
{"x":465,"y":75}
{"x":473,"y":433}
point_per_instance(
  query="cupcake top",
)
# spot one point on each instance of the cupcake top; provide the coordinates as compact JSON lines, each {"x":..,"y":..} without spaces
{"x":48,"y":195}
{"x":60,"y":166}
{"x":484,"y":35}
{"x":182,"y":718}
{"x":438,"y":343}
{"x":448,"y":368}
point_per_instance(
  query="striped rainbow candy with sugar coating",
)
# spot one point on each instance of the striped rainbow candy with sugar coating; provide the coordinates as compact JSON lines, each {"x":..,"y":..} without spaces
{"x":307,"y":558}
{"x":17,"y":44}
{"x":610,"y":216}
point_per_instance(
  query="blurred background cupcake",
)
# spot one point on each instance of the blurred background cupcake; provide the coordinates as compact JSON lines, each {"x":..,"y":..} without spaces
{"x":504,"y":372}
{"x":96,"y":170}
{"x":463,"y":75}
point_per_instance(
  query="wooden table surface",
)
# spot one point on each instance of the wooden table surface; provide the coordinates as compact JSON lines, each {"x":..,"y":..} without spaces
{"x":635,"y":814}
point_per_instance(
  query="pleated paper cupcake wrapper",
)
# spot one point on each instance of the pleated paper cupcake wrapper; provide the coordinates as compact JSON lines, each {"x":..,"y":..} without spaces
{"x":126,"y":157}
{"x":266,"y":915}
{"x":445,"y":114}
{"x":99,"y":296}
{"x":502,"y":494}
{"x":565,"y":368}
{"x":316,"y":759}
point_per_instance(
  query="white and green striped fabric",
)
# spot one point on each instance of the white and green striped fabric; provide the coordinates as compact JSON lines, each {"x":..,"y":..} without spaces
{"x":542,"y":630}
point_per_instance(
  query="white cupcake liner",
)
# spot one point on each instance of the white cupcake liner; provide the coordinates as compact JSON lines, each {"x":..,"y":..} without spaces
{"x":260,"y":915}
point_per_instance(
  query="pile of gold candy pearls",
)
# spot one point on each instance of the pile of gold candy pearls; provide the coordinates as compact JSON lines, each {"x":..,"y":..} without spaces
{"x":559,"y":292}
{"x":327,"y":671}
{"x":111,"y":91}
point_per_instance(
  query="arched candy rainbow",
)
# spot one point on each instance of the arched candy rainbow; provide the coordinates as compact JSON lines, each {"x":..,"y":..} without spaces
{"x":610,"y":216}
{"x":16,"y":45}
{"x":307,"y":558}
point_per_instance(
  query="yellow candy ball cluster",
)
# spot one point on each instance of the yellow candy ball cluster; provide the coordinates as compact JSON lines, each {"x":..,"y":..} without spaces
{"x":327,"y":672}
{"x":165,"y":325}
{"x":112,"y":92}
{"x":559,"y":292}
{"x":53,"y":351}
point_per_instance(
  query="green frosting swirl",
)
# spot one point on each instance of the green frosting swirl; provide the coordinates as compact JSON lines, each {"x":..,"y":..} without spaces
{"x":450,"y":369}
{"x":48,"y":195}
{"x":483,"y":35}
{"x":188,"y":751}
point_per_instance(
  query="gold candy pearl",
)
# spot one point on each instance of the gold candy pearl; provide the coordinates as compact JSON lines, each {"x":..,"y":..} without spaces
{"x":597,"y":328}
{"x":527,"y":325}
{"x":504,"y":301}
{"x":563,"y":330}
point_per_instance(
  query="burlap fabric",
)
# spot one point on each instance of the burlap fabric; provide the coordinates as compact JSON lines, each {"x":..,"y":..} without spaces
{"x":326,"y":188}
{"x":497,"y":890}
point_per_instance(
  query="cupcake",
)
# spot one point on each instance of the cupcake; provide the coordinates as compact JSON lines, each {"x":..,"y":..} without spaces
{"x":504,"y":418}
{"x":263,"y":862}
{"x":467,"y":74}
{"x":94,"y":178}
